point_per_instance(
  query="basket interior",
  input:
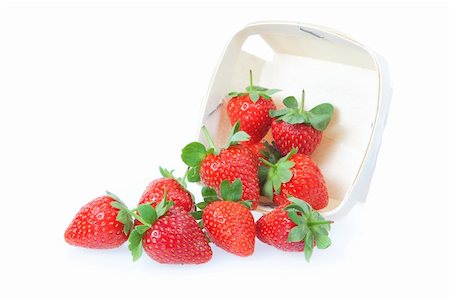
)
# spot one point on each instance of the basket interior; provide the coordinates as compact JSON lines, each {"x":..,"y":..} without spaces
{"x":329,"y":70}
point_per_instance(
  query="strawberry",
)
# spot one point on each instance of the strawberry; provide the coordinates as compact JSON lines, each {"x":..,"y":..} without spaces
{"x":252,"y":108}
{"x":175,"y":188}
{"x":228,"y":223}
{"x":103,"y":223}
{"x":294,"y":226}
{"x":297,"y":175}
{"x":296,"y":128}
{"x":169,"y":235}
{"x":232,"y":162}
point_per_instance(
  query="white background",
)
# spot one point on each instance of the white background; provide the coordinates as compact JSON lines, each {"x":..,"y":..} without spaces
{"x":97,"y":95}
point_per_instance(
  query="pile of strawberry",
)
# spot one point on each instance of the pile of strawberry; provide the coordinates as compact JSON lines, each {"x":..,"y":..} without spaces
{"x":172,"y":228}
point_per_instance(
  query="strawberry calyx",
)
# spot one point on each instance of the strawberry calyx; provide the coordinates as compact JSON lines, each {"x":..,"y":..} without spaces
{"x":311,"y":227}
{"x":255,"y":92}
{"x":277,"y":173}
{"x":194,"y":153}
{"x":228,"y":192}
{"x":318,"y":117}
{"x":147,"y":215}
{"x":169,"y":174}
{"x":124,"y":215}
{"x":271,"y":154}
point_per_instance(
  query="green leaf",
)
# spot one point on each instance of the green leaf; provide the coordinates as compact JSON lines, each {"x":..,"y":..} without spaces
{"x":197,"y":215}
{"x":297,"y":233}
{"x":200,"y":223}
{"x":271,"y":91}
{"x":233,"y":94}
{"x":309,"y":245}
{"x":259,"y":88}
{"x":283,"y":171}
{"x":320,"y":116}
{"x":262,"y":175}
{"x":113,"y":196}
{"x":136,"y":252}
{"x":193,"y":174}
{"x":166,"y":173}
{"x":318,"y":230}
{"x":296,"y":218}
{"x":119,"y":205}
{"x":302,"y":206}
{"x":135,"y":244}
{"x":276,"y":184}
{"x":236,"y":135}
{"x":148,"y":213}
{"x":268,"y":189}
{"x":209,"y":194}
{"x":134,"y":239}
{"x":293,"y":118}
{"x":193,"y":154}
{"x":254,"y":96}
{"x":141,"y":229}
{"x":290,"y":102}
{"x":277,"y":113}
{"x":247,"y":203}
{"x":124,"y":217}
{"x":163,"y":206}
{"x":231,"y":192}
{"x":323,"y":241}
{"x":239,"y":137}
{"x":265,"y":96}
{"x":202,"y":205}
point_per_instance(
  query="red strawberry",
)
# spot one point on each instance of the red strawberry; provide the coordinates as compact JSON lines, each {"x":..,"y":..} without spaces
{"x":169,"y":235}
{"x":232,"y":162}
{"x":297,"y":128}
{"x":175,"y":188}
{"x":294,"y":226}
{"x":102,"y":224}
{"x":229,"y":223}
{"x":252,"y":108}
{"x":296,"y":175}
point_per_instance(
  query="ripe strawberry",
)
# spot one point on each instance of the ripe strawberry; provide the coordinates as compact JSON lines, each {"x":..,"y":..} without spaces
{"x":175,"y":188}
{"x":294,"y":226}
{"x":232,"y":162}
{"x":228,"y":223}
{"x":296,"y":175}
{"x":297,"y":128}
{"x":169,"y":235}
{"x":252,"y":108}
{"x":103,"y":223}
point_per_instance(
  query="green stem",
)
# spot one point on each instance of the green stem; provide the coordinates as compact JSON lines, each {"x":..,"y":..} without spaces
{"x":311,"y":223}
{"x":302,"y":105}
{"x":208,"y":137}
{"x":251,"y":80}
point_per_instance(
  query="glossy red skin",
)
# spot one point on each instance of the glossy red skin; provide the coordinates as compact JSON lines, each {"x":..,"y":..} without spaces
{"x":231,"y":226}
{"x":176,"y":238}
{"x":273,"y":229}
{"x":254,"y":117}
{"x":95,"y":226}
{"x":301,"y":136}
{"x":235,"y":162}
{"x":154,"y":193}
{"x":307,"y":183}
